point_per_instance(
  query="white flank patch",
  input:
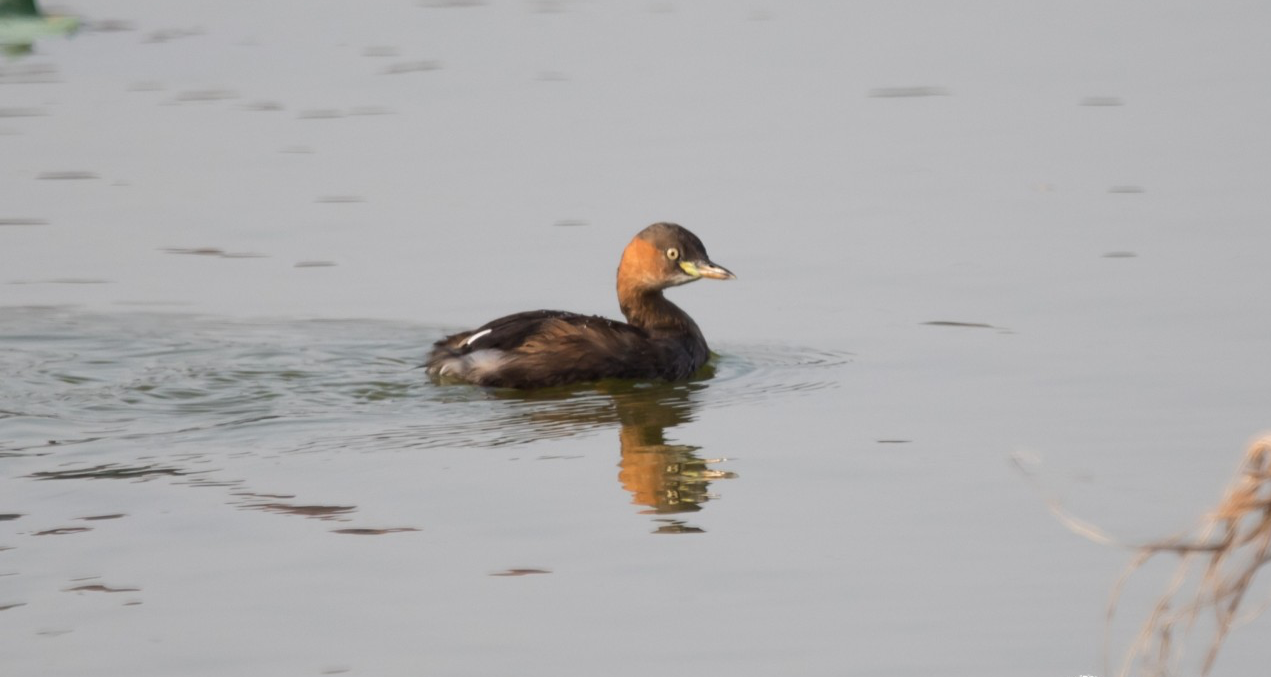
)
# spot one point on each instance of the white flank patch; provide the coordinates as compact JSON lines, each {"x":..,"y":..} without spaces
{"x":481,"y":362}
{"x":473,"y":366}
{"x":476,"y":336}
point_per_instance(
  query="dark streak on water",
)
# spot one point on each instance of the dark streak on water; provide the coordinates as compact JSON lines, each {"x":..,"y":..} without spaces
{"x":61,"y":531}
{"x":97,"y":587}
{"x":948,"y":323}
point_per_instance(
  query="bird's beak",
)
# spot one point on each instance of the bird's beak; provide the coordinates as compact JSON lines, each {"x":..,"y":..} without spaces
{"x":705,"y":268}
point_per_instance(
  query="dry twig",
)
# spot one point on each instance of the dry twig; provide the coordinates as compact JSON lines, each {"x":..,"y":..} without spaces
{"x":1232,"y":543}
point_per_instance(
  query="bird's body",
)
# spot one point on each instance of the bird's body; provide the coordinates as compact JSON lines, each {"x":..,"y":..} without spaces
{"x":543,"y":348}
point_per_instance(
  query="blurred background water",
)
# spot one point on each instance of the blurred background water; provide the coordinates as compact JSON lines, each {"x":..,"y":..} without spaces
{"x":229,"y":231}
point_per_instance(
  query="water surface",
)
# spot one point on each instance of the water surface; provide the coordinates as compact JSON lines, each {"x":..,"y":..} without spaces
{"x":229,"y":232}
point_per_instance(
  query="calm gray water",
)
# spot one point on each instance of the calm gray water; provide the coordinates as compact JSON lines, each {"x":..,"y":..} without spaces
{"x":229,"y":231}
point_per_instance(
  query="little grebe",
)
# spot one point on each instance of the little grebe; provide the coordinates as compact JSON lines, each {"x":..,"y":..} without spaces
{"x":543,"y":348}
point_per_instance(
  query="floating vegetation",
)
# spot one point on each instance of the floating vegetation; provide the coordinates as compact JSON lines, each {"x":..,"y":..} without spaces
{"x":22,"y":23}
{"x":1217,"y":562}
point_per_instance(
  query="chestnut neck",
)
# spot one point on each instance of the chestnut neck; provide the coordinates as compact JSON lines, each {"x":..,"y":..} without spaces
{"x":649,"y":310}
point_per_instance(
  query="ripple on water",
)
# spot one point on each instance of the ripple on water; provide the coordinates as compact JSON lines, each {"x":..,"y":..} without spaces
{"x":164,"y":382}
{"x":746,"y":373}
{"x":467,"y":416}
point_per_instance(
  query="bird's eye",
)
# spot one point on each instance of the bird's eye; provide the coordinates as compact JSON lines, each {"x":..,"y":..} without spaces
{"x":672,"y":253}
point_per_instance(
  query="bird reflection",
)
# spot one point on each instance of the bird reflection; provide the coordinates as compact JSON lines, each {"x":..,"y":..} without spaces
{"x":666,"y":479}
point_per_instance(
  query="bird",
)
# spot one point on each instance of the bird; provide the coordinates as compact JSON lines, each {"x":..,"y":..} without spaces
{"x":545,"y":348}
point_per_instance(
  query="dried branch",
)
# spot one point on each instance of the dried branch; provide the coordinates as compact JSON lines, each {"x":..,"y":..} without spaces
{"x":1233,"y":541}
